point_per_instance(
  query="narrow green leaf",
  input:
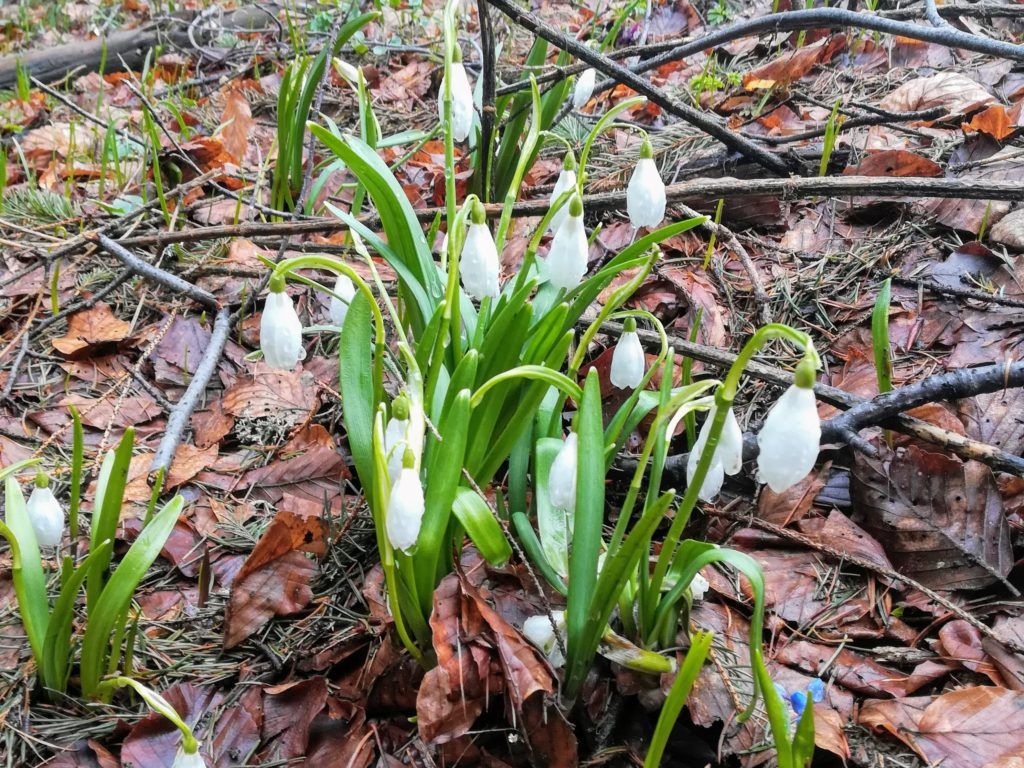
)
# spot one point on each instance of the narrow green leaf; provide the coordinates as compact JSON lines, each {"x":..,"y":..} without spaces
{"x":104,"y":522}
{"x":355,"y":374}
{"x":482,"y":526}
{"x":26,"y":568}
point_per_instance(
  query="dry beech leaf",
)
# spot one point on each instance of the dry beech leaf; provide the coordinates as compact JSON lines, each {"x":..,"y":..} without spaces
{"x":237,"y":117}
{"x":941,"y":519}
{"x":894,"y":162}
{"x":267,"y":392}
{"x":791,"y":66}
{"x":954,"y":91}
{"x":993,"y":120}
{"x":967,"y":728}
{"x":288,"y":712}
{"x":91,"y":328}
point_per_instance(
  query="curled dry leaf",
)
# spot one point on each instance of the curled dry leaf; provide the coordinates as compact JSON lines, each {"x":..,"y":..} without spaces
{"x":238,"y":123}
{"x":90,"y":330}
{"x":967,"y":728}
{"x":792,"y":65}
{"x":940,"y":519}
{"x":954,"y":91}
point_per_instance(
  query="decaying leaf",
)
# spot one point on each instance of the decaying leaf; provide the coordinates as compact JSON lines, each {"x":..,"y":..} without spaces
{"x":91,"y":329}
{"x":954,"y":91}
{"x":940,"y":519}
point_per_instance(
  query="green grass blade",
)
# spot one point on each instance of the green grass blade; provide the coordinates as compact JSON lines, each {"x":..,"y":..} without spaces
{"x":107,"y":514}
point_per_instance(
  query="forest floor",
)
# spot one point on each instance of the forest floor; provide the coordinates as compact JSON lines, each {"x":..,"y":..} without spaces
{"x":890,"y":571}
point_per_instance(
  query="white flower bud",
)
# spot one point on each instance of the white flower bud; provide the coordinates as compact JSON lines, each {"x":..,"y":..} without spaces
{"x":478,"y":264}
{"x":462,"y":102}
{"x":562,"y":477}
{"x":699,"y":587}
{"x":789,"y":439}
{"x":584,"y":88}
{"x":184,"y":759}
{"x":395,"y":445}
{"x":405,"y":508}
{"x":565,"y":183}
{"x":645,"y":195}
{"x":628,"y":359}
{"x":568,"y":255}
{"x":728,"y":458}
{"x":46,"y":514}
{"x":280,"y":332}
{"x":539,"y":631}
{"x":346,"y":70}
{"x":345,"y":291}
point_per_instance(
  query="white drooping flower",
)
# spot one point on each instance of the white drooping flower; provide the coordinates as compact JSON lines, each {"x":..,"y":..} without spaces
{"x":628,"y":359}
{"x":345,"y":291}
{"x":568,"y":255}
{"x":478,"y":264}
{"x":405,"y":506}
{"x":346,"y":70}
{"x":539,"y":631}
{"x":699,"y":587}
{"x":645,"y":195}
{"x":280,"y":330}
{"x":45,"y":513}
{"x":185,"y":759}
{"x":728,"y":458}
{"x":396,"y":436}
{"x":790,"y":437}
{"x":584,"y":88}
{"x":462,"y":100}
{"x":565,"y":183}
{"x":562,"y":477}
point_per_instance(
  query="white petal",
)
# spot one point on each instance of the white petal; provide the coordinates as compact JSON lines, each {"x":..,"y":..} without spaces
{"x":395,"y":444}
{"x":730,"y":445}
{"x":46,"y":516}
{"x":478,"y":265}
{"x":562,"y":478}
{"x":184,"y":760}
{"x":584,"y":88}
{"x":405,"y":510}
{"x":462,"y":103}
{"x":628,"y":362}
{"x":346,"y":291}
{"x":645,"y":195}
{"x":539,"y":631}
{"x":566,"y":182}
{"x":280,"y":332}
{"x":699,"y":587}
{"x":789,"y":440}
{"x":567,"y":258}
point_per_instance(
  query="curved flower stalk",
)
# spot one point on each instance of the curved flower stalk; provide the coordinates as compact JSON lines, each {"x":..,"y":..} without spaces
{"x":45,"y":513}
{"x":478,"y":264}
{"x":458,"y":99}
{"x":568,"y":256}
{"x":584,"y":88}
{"x":628,"y":359}
{"x":645,"y":193}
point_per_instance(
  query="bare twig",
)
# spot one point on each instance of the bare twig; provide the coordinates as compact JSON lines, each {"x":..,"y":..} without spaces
{"x":157,"y":275}
{"x":602,"y":63}
{"x":689,"y":191}
{"x":963,"y":293}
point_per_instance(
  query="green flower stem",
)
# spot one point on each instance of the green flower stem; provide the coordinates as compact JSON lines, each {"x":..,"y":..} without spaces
{"x":341,"y":268}
{"x":451,"y":311}
{"x":158,"y":704}
{"x":604,"y":124}
{"x":723,"y":403}
{"x":566,"y":385}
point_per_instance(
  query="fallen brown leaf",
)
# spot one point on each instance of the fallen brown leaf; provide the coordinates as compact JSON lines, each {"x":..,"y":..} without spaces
{"x":954,"y":91}
{"x":90,"y":329}
{"x":237,"y":117}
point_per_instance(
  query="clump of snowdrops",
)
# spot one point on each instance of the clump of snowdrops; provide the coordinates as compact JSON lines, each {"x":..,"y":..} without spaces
{"x":478,"y":377}
{"x":36,"y":527}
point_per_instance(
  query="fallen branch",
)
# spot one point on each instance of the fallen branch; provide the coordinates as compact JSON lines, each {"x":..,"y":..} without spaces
{"x":688,"y":192}
{"x":155,"y":274}
{"x":843,"y":556}
{"x":604,"y":64}
{"x":178,"y":418}
{"x":963,"y":293}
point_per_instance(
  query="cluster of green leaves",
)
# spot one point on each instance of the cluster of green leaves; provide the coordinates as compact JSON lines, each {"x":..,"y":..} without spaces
{"x":108,"y":592}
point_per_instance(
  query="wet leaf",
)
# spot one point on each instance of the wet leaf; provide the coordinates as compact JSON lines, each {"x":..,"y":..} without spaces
{"x":153,"y":741}
{"x":941,"y":520}
{"x":288,"y":713}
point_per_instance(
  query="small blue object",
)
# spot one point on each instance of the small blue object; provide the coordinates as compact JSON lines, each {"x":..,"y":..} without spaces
{"x":817,"y":689}
{"x":798,"y":699}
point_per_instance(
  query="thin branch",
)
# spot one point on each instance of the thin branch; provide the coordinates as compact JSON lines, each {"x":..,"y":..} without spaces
{"x":157,"y":275}
{"x":963,"y":293}
{"x":602,"y":63}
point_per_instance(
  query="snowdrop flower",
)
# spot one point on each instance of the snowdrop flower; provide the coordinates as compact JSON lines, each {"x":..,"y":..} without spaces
{"x":45,"y":513}
{"x":280,"y":329}
{"x":395,"y":436}
{"x":538,"y":630}
{"x":566,"y":182}
{"x":789,"y":439}
{"x":462,"y":100}
{"x":699,"y":587}
{"x":345,"y":291}
{"x":567,"y":257}
{"x":645,"y":195}
{"x":628,"y":359}
{"x":584,"y":88}
{"x":478,"y":265}
{"x":405,"y":506}
{"x":728,"y":458}
{"x":345,"y":70}
{"x":185,"y":759}
{"x":562,"y":478}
